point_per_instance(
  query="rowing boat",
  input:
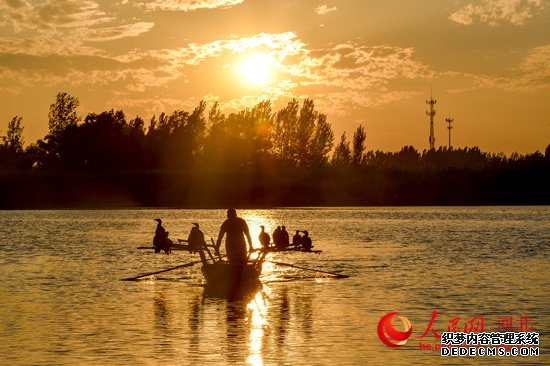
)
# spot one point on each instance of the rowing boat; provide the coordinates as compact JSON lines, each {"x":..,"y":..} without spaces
{"x":223,"y":278}
{"x":233,"y":281}
{"x":229,"y":279}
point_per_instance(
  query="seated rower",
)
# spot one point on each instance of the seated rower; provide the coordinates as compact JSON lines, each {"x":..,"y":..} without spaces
{"x":285,"y":242}
{"x":306,"y":242}
{"x":277,"y":237}
{"x":161,"y":240}
{"x":297,"y":239}
{"x":264,"y":237}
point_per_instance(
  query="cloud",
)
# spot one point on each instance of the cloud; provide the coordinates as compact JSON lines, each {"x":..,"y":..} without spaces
{"x":324,"y":9}
{"x":118,"y":32}
{"x":50,"y":15}
{"x":495,"y":12}
{"x":530,"y":75}
{"x":337,"y":77}
{"x":350,"y":69}
{"x":62,"y":27}
{"x":188,"y":5}
{"x":533,"y":71}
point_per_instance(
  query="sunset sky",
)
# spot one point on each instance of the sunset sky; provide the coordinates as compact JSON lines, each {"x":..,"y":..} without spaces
{"x":363,"y":62}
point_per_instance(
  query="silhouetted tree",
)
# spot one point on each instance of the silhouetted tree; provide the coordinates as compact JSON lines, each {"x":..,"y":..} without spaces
{"x":285,"y":130}
{"x":407,"y":158}
{"x":342,"y":153}
{"x":304,"y":133}
{"x":63,"y":113}
{"x":250,"y":157}
{"x":215,"y":116}
{"x":189,"y":133}
{"x":13,"y":141}
{"x":322,"y":141}
{"x":62,"y":117}
{"x":302,"y":137}
{"x":359,"y":138}
{"x":11,"y":145}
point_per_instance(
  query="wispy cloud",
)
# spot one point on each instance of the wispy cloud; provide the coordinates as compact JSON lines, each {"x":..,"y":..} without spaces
{"x":324,"y":9}
{"x":61,"y":27}
{"x":22,"y":15}
{"x":495,"y":12}
{"x":530,"y":75}
{"x":355,"y":66}
{"x":187,"y":5}
{"x":533,"y":72}
{"x":350,"y":73}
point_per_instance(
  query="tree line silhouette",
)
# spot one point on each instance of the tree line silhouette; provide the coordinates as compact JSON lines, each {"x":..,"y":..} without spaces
{"x":254,"y":157}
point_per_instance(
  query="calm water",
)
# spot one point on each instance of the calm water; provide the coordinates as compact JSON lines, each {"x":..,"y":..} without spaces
{"x":62,"y":301}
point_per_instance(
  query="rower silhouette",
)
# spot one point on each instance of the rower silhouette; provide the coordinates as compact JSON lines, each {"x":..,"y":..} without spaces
{"x":306,"y":242}
{"x":277,"y":237}
{"x":236,"y":230}
{"x":265,"y":240}
{"x":285,"y":242}
{"x":297,"y":239}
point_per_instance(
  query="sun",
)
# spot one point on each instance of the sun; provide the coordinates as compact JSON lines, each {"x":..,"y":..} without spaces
{"x":256,"y":69}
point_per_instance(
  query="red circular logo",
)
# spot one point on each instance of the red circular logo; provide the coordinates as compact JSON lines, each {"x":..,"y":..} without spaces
{"x":386,"y":330}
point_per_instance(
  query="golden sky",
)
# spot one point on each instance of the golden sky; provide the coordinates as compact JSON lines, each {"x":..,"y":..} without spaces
{"x":364,"y":62}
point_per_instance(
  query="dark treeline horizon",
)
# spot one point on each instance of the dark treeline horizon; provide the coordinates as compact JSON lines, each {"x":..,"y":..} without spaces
{"x":256,"y":157}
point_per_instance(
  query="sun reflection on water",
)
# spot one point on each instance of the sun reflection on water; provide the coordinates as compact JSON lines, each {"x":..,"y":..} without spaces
{"x":257,"y":317}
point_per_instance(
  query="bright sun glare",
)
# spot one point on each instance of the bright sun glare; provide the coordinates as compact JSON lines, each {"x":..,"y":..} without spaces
{"x":256,"y":69}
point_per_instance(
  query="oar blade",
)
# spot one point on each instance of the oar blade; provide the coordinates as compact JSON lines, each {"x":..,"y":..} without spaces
{"x":334,"y":274}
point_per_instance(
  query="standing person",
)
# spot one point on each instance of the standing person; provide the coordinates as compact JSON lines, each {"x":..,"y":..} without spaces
{"x":235,"y":245}
{"x":297,"y":239}
{"x":285,"y":241}
{"x":265,"y":240}
{"x":160,"y":240}
{"x":277,"y":237}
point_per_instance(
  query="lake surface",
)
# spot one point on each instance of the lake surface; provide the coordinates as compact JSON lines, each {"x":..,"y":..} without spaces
{"x":62,"y":301}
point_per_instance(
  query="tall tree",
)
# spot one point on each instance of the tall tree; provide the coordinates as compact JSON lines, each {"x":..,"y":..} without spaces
{"x":285,"y":130}
{"x":358,"y":151}
{"x":301,"y":135}
{"x":63,"y":113}
{"x":304,"y":133}
{"x":13,"y":141}
{"x":261,"y":118}
{"x":196,"y":128}
{"x":342,"y":153}
{"x":322,"y":141}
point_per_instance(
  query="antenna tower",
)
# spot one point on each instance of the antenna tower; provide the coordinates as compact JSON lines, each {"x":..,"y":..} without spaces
{"x":431,"y":113}
{"x":449,"y":127}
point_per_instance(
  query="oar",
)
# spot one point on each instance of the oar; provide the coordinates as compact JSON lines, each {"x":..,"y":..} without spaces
{"x":164,"y":270}
{"x":217,"y":250}
{"x":337,"y":275}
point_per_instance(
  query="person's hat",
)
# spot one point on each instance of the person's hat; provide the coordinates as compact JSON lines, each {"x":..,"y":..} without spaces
{"x":158,"y":220}
{"x":196,"y":224}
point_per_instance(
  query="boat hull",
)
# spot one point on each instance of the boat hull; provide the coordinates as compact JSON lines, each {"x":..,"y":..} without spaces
{"x":228,"y":279}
